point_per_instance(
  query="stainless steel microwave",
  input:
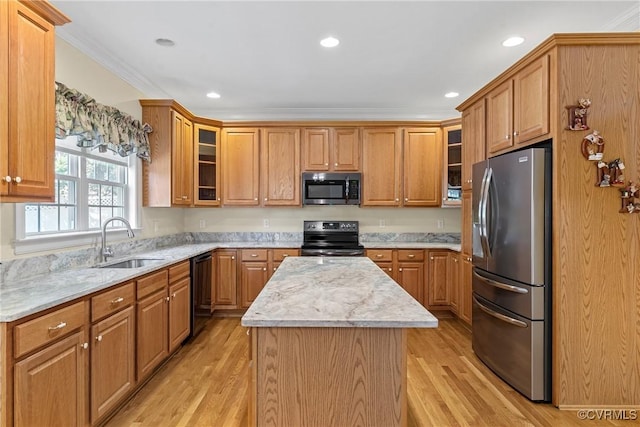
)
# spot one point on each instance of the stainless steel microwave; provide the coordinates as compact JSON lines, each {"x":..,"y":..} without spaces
{"x":320,"y":188}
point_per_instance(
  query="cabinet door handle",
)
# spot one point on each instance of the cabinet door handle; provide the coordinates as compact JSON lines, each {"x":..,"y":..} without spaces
{"x":57,"y":327}
{"x":431,"y":258}
{"x":166,"y":299}
{"x":255,"y":199}
{"x":274,"y":268}
{"x":7,"y":179}
{"x":173,"y":295}
{"x":117,"y":301}
{"x":335,"y":164}
{"x":389,"y":269}
{"x":99,"y":338}
{"x":507,"y":136}
{"x":233,"y":257}
{"x":397,"y":200}
{"x":84,"y":345}
{"x":400,"y":269}
{"x":326,"y":164}
{"x":184,"y":197}
{"x":265,"y":199}
{"x":515,"y":133}
{"x":264,"y":268}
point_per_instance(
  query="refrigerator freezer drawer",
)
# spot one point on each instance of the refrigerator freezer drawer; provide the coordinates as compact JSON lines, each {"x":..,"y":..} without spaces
{"x":526,"y":300}
{"x":513,"y":347}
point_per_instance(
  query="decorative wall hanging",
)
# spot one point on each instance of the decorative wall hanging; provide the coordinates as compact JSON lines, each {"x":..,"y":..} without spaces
{"x":592,"y":146}
{"x":578,"y":115}
{"x":628,"y":196}
{"x":610,"y":174}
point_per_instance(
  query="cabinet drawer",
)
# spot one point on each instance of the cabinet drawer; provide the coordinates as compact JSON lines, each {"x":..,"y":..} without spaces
{"x":281,"y":254}
{"x":410,"y":255}
{"x":254,"y":255}
{"x":44,"y":329}
{"x":178,"y":271}
{"x":111,"y":301}
{"x":152,"y":283}
{"x":380,"y":254}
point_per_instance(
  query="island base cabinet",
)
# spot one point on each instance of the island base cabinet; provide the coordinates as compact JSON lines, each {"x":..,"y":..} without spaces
{"x":50,"y":385}
{"x":296,"y":381}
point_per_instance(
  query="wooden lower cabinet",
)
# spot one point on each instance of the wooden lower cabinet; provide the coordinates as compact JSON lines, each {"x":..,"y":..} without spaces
{"x":50,"y":386}
{"x":453,"y":277}
{"x":410,"y":275}
{"x":112,"y":361}
{"x":152,"y":333}
{"x":253,"y":277}
{"x":405,"y":266}
{"x":464,"y":311}
{"x":179,"y":312}
{"x":225,"y":278}
{"x":438,"y":282}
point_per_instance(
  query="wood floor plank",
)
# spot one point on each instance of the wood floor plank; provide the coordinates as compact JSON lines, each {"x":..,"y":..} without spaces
{"x":205,"y":384}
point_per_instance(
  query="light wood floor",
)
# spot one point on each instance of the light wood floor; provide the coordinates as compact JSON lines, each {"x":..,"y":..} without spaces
{"x":205,"y":384}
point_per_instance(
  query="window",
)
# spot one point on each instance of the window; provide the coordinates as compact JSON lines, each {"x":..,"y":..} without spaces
{"x":89,"y":187}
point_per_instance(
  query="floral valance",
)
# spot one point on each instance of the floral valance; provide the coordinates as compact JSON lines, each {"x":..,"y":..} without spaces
{"x":98,"y":125}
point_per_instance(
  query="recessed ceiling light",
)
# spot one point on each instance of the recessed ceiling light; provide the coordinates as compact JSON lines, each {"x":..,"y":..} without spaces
{"x":165,"y":42}
{"x":451,"y":94}
{"x":512,"y":41}
{"x":330,"y":42}
{"x":213,"y":95}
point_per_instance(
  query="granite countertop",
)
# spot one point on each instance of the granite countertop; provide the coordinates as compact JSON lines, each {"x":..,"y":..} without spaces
{"x":335,"y":292}
{"x":23,"y":297}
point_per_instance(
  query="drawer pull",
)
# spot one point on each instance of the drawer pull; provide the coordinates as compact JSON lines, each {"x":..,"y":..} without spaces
{"x":379,"y":255}
{"x":117,"y":301}
{"x":254,"y":255}
{"x":57,"y":327}
{"x":411,"y":256}
{"x":285,"y":255}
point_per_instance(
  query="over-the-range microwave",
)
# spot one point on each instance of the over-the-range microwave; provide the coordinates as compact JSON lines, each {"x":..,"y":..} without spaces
{"x":320,"y":188}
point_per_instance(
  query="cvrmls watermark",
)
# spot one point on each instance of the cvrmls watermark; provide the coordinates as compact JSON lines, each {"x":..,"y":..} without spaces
{"x":608,"y":414}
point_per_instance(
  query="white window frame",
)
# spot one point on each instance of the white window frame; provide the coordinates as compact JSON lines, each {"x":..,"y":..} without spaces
{"x":40,"y":242}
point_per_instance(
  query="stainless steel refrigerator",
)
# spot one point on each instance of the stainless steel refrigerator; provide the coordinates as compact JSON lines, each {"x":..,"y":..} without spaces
{"x":511,"y":319}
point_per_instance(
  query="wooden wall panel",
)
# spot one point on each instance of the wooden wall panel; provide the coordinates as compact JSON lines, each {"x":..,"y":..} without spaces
{"x":596,"y":289}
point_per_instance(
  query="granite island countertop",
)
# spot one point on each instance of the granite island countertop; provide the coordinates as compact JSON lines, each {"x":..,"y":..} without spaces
{"x":335,"y":292}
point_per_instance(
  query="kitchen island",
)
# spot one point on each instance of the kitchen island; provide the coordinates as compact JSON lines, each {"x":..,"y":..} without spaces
{"x":328,"y":345}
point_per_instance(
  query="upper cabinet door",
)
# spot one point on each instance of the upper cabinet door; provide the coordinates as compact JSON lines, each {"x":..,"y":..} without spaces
{"x":315,"y":149}
{"x":422,"y":167}
{"x":280,"y":153}
{"x":182,"y":160}
{"x":500,"y":118}
{"x":345,"y":151}
{"x":531,"y":101}
{"x":240,"y":153}
{"x":473,"y":141}
{"x":381,"y":167}
{"x":206,"y":165}
{"x":29,"y":146}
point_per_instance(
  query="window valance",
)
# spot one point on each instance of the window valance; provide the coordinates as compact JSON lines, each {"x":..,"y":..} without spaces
{"x":98,"y":125}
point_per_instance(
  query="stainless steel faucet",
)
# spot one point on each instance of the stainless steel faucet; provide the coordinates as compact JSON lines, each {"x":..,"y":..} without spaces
{"x":106,"y":250}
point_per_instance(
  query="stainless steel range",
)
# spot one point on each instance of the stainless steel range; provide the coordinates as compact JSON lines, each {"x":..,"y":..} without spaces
{"x":331,"y":238}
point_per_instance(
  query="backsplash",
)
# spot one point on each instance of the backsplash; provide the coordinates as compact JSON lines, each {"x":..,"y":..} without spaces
{"x":23,"y":268}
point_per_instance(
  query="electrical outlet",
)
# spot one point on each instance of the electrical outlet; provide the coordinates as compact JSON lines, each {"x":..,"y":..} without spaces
{"x":441,"y":223}
{"x":265,"y":223}
{"x":156,"y":226}
{"x":203,"y":223}
{"x":383,"y":223}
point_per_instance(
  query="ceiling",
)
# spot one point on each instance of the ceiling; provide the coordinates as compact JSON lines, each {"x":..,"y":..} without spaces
{"x":395,"y":60}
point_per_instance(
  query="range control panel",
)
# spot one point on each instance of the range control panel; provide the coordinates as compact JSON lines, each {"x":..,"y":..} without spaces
{"x":348,"y":226}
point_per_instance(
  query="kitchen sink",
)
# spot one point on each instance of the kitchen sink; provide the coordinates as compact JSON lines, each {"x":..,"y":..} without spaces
{"x":132,"y":263}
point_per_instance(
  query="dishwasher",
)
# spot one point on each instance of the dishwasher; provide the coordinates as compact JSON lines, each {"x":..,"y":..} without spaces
{"x":201,"y":280}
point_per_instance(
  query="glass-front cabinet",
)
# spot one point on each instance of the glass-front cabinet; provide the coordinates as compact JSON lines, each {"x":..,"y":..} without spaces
{"x":452,"y":191}
{"x":207,"y":172}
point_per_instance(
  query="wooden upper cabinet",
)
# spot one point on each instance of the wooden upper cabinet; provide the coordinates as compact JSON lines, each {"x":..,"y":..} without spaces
{"x":240,"y":153}
{"x":27,"y":100}
{"x":452,"y":165}
{"x":315,"y":149}
{"x":422,"y":161}
{"x":206,"y":156}
{"x":345,"y":149}
{"x":473,"y":141}
{"x":531,"y":101}
{"x":518,"y":109}
{"x":500,"y":118}
{"x":182,"y":160}
{"x":280,"y":166}
{"x":381,"y":167}
{"x":331,"y":149}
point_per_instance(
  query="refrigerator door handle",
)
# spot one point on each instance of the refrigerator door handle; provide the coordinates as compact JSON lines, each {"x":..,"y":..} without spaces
{"x":484,"y":200}
{"x":504,"y":286}
{"x":507,"y":319}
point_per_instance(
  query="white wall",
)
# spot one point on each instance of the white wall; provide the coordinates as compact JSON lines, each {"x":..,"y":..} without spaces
{"x":397,"y":220}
